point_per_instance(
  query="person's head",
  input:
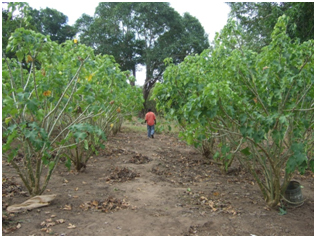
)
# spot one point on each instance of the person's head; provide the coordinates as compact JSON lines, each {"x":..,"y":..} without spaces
{"x":149,"y":110}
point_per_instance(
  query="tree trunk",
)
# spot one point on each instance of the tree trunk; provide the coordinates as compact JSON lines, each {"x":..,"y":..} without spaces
{"x":134,"y":74}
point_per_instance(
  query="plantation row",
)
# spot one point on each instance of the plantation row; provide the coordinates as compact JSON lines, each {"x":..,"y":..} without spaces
{"x":61,"y":100}
{"x":234,"y":103}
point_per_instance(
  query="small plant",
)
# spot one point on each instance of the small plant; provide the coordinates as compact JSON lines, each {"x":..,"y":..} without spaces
{"x":87,"y":140}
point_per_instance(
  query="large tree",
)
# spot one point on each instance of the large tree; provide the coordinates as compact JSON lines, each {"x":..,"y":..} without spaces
{"x":258,"y":20}
{"x":142,"y":33}
{"x":111,"y":31}
{"x":53,"y":23}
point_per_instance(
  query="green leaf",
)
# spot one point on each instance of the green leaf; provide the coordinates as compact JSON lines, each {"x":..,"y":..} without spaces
{"x":31,"y":134}
{"x":283,"y":120}
{"x":189,"y":139}
{"x":45,"y":160}
{"x":311,"y":165}
{"x":216,"y":155}
{"x":7,"y":120}
{"x":80,"y":136}
{"x":80,"y":90}
{"x":51,"y":165}
{"x":32,"y":105}
{"x":297,"y":160}
{"x":282,"y":211}
{"x":40,"y":114}
{"x":246,"y":151}
{"x":86,"y":144}
{"x":225,"y":149}
{"x":68,"y":163}
{"x":20,"y":55}
{"x":13,"y":153}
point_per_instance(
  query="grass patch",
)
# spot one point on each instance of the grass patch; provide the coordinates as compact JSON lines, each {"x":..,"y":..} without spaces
{"x":162,"y":126}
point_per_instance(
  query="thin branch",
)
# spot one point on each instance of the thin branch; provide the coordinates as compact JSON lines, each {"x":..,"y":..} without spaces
{"x":34,"y":80}
{"x":306,"y":61}
{"x":11,"y":79}
{"x":61,"y":97}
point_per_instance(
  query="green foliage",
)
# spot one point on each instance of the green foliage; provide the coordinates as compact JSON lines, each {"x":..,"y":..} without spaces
{"x":53,"y":97}
{"x":88,"y":140}
{"x":142,"y":33}
{"x":14,"y":15}
{"x":256,"y":107}
{"x":45,"y":21}
{"x":53,"y":23}
{"x":258,"y":19}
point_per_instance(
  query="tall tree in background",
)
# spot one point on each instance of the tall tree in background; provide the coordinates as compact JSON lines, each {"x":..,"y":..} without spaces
{"x":258,"y":20}
{"x":111,"y":32}
{"x":142,"y":33}
{"x":117,"y":35}
{"x":160,"y":26}
{"x":53,"y":23}
{"x":84,"y":28}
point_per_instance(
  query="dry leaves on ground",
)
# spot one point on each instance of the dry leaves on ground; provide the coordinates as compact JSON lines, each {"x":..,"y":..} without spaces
{"x":110,"y":204}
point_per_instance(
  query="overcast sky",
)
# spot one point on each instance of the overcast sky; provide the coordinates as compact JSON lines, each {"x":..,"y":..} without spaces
{"x":212,"y":15}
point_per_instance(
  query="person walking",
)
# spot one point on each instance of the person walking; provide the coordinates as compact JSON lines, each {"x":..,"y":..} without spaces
{"x":150,"y":119}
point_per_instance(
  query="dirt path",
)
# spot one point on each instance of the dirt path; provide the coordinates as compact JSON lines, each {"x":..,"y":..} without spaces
{"x":140,"y":186}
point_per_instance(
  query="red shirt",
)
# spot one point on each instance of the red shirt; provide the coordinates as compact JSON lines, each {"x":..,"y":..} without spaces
{"x":150,"y":118}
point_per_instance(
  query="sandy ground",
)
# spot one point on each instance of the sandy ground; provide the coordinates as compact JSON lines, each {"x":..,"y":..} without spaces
{"x":139,"y":186}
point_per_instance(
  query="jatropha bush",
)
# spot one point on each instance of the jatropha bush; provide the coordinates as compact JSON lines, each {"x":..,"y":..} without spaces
{"x":259,"y":107}
{"x":52,"y":97}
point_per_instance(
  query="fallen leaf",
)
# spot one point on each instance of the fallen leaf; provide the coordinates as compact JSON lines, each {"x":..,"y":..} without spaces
{"x":50,"y":224}
{"x":71,"y":226}
{"x":216,"y":193}
{"x":211,"y":204}
{"x":83,"y":206}
{"x":60,"y":221}
{"x":83,"y":182}
{"x":6,"y":231}
{"x":18,"y":226}
{"x":52,"y":216}
{"x":95,"y":203}
{"x":76,"y":189}
{"x":65,"y":181}
{"x":67,"y":207}
{"x":267,"y":208}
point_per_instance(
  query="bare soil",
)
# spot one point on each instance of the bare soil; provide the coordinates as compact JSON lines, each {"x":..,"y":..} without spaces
{"x":139,"y":186}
